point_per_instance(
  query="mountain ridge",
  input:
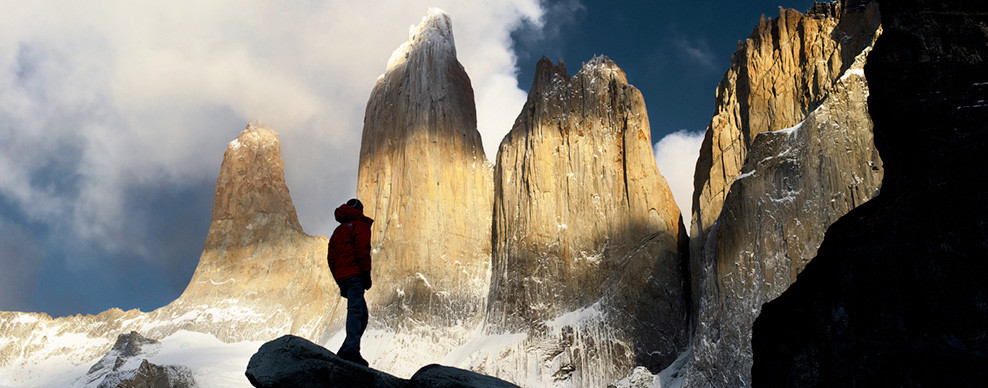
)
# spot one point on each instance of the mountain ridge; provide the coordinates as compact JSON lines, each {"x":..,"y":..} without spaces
{"x":565,"y":262}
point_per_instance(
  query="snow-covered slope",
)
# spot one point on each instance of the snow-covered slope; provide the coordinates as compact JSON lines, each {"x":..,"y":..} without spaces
{"x":213,"y":363}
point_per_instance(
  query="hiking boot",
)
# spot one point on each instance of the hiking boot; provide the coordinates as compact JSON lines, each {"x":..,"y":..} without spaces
{"x":353,"y":357}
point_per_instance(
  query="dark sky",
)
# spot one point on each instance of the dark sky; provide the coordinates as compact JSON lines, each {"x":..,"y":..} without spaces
{"x":674,"y":52}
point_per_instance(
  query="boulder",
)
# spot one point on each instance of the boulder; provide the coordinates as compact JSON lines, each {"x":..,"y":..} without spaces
{"x":292,"y":361}
{"x":438,"y":376}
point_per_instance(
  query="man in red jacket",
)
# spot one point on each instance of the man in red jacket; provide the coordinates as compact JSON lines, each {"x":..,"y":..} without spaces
{"x":350,"y":261}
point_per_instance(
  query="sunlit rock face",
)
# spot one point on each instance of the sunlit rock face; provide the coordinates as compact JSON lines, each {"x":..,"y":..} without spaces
{"x":426,"y":182}
{"x":259,"y":275}
{"x":790,"y":151}
{"x":588,"y":242}
{"x":784,"y":70}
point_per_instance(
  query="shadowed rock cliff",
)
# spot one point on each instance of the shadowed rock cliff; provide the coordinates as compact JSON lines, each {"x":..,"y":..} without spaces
{"x":896,"y":294}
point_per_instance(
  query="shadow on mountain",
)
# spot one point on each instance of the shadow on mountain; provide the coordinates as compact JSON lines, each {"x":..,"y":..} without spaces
{"x":292,"y":361}
{"x":896,"y":294}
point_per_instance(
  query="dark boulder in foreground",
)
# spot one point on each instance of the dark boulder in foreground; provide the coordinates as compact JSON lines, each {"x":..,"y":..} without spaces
{"x":292,"y":361}
{"x":438,"y":376}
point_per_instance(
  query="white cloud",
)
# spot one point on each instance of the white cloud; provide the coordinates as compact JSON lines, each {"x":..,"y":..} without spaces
{"x":676,"y":156}
{"x":114,"y":97}
{"x":695,"y":50}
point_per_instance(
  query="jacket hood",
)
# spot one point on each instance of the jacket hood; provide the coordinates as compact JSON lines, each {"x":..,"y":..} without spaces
{"x":346,"y":214}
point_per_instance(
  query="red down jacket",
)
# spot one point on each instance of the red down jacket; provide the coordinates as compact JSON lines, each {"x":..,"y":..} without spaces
{"x":349,"y":248}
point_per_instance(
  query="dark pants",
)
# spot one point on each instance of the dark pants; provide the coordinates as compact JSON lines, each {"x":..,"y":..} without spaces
{"x":356,"y":313}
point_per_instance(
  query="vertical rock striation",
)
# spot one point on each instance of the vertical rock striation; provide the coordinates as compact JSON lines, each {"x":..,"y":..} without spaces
{"x":789,"y":152}
{"x":896,"y":294}
{"x":779,"y":74}
{"x":588,"y":242}
{"x":425,"y":180}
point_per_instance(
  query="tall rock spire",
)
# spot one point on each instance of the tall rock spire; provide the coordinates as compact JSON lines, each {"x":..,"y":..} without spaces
{"x":589,"y":246}
{"x":257,"y":260}
{"x":425,"y":180}
{"x":251,"y":190}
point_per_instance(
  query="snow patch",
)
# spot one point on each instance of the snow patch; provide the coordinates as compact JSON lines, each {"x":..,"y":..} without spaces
{"x":789,"y":131}
{"x":480,"y":346}
{"x":574,"y":318}
{"x":592,"y":258}
{"x":25,"y":319}
{"x":978,"y":104}
{"x":434,"y":29}
{"x":857,"y":68}
{"x":421,"y":276}
{"x":213,"y":362}
{"x":670,"y":377}
{"x":852,"y":72}
{"x":745,"y":175}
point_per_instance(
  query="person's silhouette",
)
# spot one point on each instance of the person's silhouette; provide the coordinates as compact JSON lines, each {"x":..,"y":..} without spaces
{"x":349,"y":259}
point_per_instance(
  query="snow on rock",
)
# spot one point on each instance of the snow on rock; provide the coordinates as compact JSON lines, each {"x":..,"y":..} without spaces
{"x":147,"y":374}
{"x":121,"y":361}
{"x":435,"y":31}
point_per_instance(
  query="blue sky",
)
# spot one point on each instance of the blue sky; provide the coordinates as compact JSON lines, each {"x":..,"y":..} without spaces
{"x":675,"y":52}
{"x":114,"y":117}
